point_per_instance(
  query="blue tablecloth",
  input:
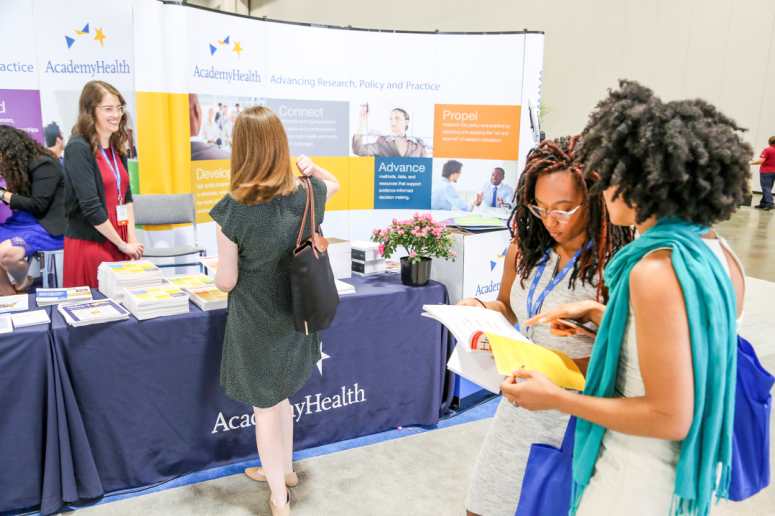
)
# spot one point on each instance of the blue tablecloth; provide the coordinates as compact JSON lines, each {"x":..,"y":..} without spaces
{"x":40,"y":426}
{"x":152,"y":407}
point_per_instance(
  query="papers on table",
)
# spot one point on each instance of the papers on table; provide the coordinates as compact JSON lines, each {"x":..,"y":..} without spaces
{"x":30,"y":318}
{"x":190,"y":280}
{"x":6,"y":324}
{"x":54,"y":296}
{"x":13,"y":303}
{"x":207,"y":297}
{"x":393,"y":267}
{"x":114,"y":277}
{"x":155,"y":301}
{"x":211,"y":262}
{"x":92,"y":312}
{"x":344,"y":288}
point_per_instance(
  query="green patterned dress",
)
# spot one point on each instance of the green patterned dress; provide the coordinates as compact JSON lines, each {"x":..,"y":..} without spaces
{"x":265,"y":360}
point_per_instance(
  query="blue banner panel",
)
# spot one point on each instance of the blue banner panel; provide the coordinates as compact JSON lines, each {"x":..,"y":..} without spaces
{"x":402,"y":183}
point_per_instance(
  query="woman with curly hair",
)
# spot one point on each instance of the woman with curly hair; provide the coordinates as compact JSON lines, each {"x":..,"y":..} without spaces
{"x":35,"y":190}
{"x":562,"y":238}
{"x":100,"y":217}
{"x":654,"y":434}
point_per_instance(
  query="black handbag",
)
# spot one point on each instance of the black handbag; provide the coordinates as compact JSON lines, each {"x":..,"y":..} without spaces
{"x":313,"y":290}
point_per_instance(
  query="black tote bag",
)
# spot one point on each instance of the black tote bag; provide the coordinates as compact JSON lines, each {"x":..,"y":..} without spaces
{"x":313,"y":290}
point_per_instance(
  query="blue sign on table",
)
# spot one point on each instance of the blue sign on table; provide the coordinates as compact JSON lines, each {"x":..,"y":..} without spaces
{"x":402,"y":183}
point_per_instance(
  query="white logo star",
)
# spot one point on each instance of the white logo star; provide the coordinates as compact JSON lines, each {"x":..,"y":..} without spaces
{"x":323,"y":356}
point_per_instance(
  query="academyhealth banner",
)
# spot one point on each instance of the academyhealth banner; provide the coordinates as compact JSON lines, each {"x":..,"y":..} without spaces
{"x":407,"y":122}
{"x":77,"y":41}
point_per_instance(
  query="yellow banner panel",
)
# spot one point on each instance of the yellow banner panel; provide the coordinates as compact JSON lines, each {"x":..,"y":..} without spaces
{"x":210,"y":182}
{"x":361,"y":187}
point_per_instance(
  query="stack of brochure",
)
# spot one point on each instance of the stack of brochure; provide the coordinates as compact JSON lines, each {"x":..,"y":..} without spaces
{"x":190,"y":280}
{"x":155,"y":301}
{"x":210,"y":262}
{"x":207,"y":297}
{"x":30,"y":318}
{"x":114,"y":277}
{"x":93,"y":312}
{"x":13,"y":303}
{"x":54,"y":296}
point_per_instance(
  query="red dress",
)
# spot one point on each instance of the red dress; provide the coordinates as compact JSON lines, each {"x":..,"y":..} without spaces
{"x":83,"y":257}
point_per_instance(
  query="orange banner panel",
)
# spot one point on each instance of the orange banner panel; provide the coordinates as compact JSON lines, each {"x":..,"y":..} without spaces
{"x":476,"y":132}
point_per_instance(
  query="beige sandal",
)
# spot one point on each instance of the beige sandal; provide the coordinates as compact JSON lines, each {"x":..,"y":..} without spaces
{"x":285,"y":510}
{"x":257,"y":474}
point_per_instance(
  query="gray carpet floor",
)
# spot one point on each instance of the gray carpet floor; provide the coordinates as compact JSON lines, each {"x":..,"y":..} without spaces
{"x":425,"y":474}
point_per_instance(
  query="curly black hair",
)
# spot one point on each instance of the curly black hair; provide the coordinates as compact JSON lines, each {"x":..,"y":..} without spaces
{"x":531,"y":236}
{"x":677,"y":159}
{"x":17,"y":151}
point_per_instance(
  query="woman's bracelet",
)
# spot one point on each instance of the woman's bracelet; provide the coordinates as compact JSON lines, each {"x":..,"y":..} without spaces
{"x":481,"y":302}
{"x":126,"y":244}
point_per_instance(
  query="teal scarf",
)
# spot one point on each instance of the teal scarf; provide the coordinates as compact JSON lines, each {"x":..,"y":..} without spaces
{"x":711,"y":307}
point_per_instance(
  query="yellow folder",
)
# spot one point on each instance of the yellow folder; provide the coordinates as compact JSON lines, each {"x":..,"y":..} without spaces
{"x":512,"y":354}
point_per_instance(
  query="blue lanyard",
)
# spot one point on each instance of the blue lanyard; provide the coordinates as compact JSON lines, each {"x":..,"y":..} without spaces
{"x":532,"y":309}
{"x":114,"y":169}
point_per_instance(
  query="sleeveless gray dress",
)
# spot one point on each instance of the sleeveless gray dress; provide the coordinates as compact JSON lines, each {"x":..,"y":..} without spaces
{"x":497,"y":478}
{"x":265,"y":360}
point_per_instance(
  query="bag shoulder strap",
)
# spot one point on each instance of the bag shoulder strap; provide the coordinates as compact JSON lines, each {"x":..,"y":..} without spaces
{"x":570,"y":437}
{"x":307,"y":187}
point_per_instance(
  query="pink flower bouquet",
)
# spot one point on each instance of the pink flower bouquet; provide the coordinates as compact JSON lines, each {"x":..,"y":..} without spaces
{"x":420,"y":236}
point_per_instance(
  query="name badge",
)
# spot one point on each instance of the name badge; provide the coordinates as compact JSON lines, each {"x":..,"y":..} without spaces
{"x":122,"y":214}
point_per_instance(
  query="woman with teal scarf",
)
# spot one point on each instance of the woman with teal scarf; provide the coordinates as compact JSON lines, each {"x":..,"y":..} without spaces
{"x":655,"y":421}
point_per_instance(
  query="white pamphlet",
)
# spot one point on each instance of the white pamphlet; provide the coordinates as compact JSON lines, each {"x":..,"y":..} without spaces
{"x":30,"y":318}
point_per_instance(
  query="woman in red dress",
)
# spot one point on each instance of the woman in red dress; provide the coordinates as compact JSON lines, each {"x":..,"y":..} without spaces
{"x":98,"y":203}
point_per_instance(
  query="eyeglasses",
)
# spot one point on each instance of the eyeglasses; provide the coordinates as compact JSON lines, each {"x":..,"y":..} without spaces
{"x":110,"y":110}
{"x":560,"y":216}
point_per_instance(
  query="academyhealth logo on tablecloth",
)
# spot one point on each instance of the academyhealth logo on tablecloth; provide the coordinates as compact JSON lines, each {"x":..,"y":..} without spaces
{"x":99,"y":36}
{"x":237,"y":48}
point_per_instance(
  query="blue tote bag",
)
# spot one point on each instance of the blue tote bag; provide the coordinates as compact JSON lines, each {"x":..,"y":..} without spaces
{"x":751,"y":437}
{"x":546,"y":489}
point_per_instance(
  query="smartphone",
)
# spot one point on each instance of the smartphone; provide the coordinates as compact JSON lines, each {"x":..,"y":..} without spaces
{"x":577,"y":325}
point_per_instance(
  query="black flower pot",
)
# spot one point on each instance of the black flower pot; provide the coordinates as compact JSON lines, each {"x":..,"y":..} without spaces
{"x":415,"y":274}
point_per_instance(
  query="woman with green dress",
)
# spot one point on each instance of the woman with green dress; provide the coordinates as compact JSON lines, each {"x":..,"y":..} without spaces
{"x":265,"y":360}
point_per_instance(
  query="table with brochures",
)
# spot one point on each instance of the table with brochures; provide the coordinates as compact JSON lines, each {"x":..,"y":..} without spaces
{"x":147,"y":400}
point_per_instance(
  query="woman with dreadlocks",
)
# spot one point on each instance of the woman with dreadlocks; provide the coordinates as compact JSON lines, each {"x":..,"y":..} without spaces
{"x":654,"y":434}
{"x":562,"y":238}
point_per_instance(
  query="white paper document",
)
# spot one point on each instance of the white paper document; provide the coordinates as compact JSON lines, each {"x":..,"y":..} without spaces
{"x":30,"y":318}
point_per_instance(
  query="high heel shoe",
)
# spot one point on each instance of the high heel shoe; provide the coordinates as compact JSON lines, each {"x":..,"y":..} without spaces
{"x":285,"y":510}
{"x":291,"y":480}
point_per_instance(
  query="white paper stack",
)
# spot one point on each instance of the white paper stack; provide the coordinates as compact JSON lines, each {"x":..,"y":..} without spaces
{"x":344,"y":288}
{"x":55,"y":296}
{"x":210,"y":262}
{"x":13,"y":303}
{"x":339,"y":254}
{"x":114,"y":277}
{"x":365,"y":259}
{"x":30,"y":318}
{"x":93,"y":312}
{"x":153,"y":301}
{"x":208,"y":297}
